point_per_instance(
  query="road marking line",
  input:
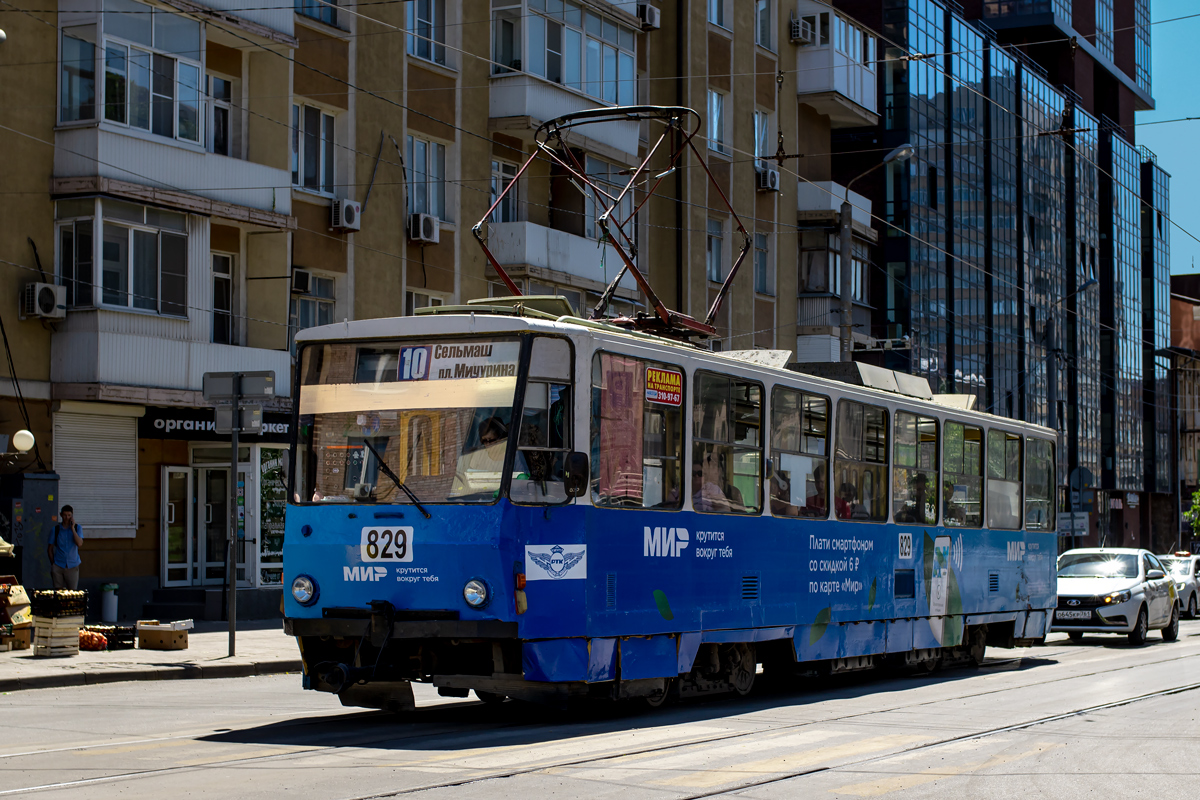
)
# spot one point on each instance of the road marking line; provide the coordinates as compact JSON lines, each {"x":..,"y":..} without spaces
{"x":134,"y":748}
{"x":786,"y":763}
{"x":889,"y":785}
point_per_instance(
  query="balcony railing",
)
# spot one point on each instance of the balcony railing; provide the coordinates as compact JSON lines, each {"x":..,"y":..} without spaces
{"x":521,"y":95}
{"x":836,"y":67}
{"x":532,"y":245}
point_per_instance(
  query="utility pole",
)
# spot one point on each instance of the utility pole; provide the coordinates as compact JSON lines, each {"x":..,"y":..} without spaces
{"x":846,"y":288}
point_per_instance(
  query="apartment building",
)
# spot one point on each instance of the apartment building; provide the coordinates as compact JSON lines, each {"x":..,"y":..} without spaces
{"x":1024,"y":246}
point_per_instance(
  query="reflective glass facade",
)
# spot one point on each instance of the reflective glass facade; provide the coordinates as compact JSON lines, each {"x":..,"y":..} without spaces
{"x":1005,"y":372}
{"x":1156,"y":322}
{"x":1082,"y":309}
{"x":1141,"y":45}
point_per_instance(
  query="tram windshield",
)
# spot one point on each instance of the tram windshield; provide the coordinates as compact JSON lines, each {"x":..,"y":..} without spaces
{"x":437,"y":413}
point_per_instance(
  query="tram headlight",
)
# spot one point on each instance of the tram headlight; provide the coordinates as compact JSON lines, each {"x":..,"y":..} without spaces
{"x":475,"y":592}
{"x":305,"y":590}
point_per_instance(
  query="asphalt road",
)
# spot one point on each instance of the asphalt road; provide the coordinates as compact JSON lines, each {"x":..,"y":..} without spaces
{"x":1097,"y":719}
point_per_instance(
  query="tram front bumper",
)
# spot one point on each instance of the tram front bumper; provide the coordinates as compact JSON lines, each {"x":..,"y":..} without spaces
{"x":352,"y":627}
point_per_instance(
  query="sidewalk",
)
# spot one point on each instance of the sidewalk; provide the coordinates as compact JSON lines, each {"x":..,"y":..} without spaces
{"x":262,"y":649}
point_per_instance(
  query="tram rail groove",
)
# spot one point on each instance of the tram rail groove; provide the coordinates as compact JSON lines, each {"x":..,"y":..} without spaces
{"x":468,"y":780}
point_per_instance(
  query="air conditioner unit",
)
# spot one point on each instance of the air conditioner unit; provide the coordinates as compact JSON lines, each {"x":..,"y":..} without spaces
{"x":768,"y":179}
{"x":301,"y":281}
{"x":44,"y":300}
{"x":347,"y":215}
{"x":424,"y":228}
{"x":650,"y":16}
{"x":802,"y":32}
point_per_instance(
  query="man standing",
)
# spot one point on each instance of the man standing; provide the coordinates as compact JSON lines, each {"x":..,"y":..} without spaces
{"x":64,"y":550}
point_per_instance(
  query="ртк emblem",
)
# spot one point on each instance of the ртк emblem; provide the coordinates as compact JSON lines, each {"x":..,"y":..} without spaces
{"x":557,"y":563}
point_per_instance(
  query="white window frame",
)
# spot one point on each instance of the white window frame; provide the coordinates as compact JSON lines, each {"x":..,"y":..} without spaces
{"x":764,"y":264}
{"x":718,"y":124}
{"x":504,"y":173}
{"x":434,"y":150}
{"x":230,"y":106}
{"x":326,"y":149}
{"x":719,"y":14}
{"x":607,"y":175}
{"x":714,"y":251}
{"x":317,"y":300}
{"x":230,"y":278}
{"x":422,"y":298}
{"x":434,"y":37}
{"x":106,"y":40}
{"x":762,"y":138}
{"x":178,"y":310}
{"x":764,"y":14}
{"x":77,"y":32}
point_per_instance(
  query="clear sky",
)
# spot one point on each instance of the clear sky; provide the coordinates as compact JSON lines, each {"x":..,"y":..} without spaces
{"x":1176,"y":89}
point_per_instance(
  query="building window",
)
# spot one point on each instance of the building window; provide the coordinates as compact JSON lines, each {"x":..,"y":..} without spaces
{"x":76,"y":250}
{"x":152,"y":70}
{"x":427,"y":181}
{"x":714,"y":252}
{"x":580,"y":49}
{"x":313,"y":144}
{"x":716,"y":12}
{"x":716,"y":121}
{"x":762,"y":138}
{"x":320,"y":10}
{"x":427,"y":26}
{"x":222,"y":269}
{"x":415,"y":300}
{"x":762,"y":23}
{"x":611,"y":183}
{"x":220,"y":93}
{"x":503,"y":174}
{"x":143,"y":259}
{"x":314,"y":308}
{"x":77,"y":74}
{"x":764,"y":273}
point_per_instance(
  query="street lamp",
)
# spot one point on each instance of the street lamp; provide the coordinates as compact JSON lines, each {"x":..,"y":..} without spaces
{"x":901,"y":153}
{"x":23,"y":441}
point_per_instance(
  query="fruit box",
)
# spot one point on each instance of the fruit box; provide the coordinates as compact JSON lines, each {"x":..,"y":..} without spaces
{"x":156,"y":639}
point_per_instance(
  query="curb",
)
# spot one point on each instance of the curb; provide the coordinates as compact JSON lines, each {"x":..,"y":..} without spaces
{"x":161,"y":672}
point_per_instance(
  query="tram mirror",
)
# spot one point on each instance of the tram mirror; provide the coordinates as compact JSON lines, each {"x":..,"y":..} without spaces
{"x":576,"y":474}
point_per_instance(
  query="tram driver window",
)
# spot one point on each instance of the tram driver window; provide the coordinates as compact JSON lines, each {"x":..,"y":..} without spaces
{"x":637,"y":433}
{"x":1039,"y":485}
{"x":915,"y":470}
{"x":800,"y":447}
{"x":1004,"y":480}
{"x":726,"y":445}
{"x":544,"y":438}
{"x":962,"y":468}
{"x":860,"y":463}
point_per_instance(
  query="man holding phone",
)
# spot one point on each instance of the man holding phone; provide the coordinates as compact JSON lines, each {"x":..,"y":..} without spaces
{"x":64,"y":550}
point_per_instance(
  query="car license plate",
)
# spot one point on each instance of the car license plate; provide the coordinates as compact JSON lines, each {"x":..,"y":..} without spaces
{"x":386,"y":544}
{"x":1072,"y":615}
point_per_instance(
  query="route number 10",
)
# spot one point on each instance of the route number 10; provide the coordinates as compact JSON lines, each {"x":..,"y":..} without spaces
{"x":414,"y":363}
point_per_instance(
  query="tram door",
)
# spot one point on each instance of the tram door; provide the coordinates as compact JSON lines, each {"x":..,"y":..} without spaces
{"x":212,"y":521}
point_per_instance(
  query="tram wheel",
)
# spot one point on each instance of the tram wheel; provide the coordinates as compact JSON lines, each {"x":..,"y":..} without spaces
{"x":743,"y":668}
{"x":660,"y":698}
{"x":491,"y":698}
{"x":978,"y":645}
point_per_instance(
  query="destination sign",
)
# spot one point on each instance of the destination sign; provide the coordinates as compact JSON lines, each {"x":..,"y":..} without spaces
{"x":458,"y":361}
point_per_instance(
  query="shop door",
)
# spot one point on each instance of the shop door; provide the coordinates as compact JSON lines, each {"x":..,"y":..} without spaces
{"x":212,"y":525}
{"x":176,"y":526}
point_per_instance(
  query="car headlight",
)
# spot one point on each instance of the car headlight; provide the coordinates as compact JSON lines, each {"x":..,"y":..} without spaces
{"x":305,"y":590}
{"x":1179,"y":587}
{"x":1117,"y":597}
{"x":475,"y":592}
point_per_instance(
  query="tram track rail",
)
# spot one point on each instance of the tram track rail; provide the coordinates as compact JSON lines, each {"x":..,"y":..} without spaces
{"x":665,"y":747}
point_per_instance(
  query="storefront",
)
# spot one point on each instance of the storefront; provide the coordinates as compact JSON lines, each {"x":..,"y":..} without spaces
{"x":193,"y":464}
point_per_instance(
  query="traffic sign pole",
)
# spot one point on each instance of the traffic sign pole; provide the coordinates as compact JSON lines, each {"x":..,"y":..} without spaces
{"x":231,"y":567}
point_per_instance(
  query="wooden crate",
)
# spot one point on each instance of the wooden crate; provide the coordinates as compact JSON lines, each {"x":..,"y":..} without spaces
{"x":56,"y":636}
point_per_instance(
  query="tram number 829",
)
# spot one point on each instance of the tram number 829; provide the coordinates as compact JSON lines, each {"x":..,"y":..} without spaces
{"x":386,"y":544}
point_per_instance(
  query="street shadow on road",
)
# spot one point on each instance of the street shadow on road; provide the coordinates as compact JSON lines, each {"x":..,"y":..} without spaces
{"x":457,"y":725}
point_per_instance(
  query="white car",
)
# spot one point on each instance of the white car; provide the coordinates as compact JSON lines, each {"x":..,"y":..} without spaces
{"x":1115,"y":590}
{"x":1185,"y":570}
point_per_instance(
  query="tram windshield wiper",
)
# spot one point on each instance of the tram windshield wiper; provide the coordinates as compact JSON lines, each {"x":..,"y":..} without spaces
{"x":396,"y":478}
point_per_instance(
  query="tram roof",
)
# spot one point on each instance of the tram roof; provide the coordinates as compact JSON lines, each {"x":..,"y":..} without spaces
{"x":459,"y":320}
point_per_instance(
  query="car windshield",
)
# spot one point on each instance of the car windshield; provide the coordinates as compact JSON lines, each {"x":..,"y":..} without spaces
{"x":436,"y":412}
{"x":1098,"y":565}
{"x":1177,"y":566}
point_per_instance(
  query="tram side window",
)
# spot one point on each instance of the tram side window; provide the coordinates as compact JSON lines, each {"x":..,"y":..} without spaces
{"x":860,"y":462}
{"x":637,"y":433}
{"x":1004,"y":480}
{"x":800,"y":447}
{"x":962,"y":470}
{"x":1039,"y":485}
{"x":726,"y":445}
{"x":544,"y":438}
{"x":915,"y":470}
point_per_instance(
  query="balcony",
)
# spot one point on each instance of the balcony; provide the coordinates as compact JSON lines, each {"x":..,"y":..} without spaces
{"x":140,"y":350}
{"x":519,"y":103}
{"x":822,"y":200}
{"x":556,"y":256}
{"x":836,"y":68}
{"x":153,"y":161}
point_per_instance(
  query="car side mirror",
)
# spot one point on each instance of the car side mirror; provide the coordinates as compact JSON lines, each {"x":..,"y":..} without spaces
{"x":575,"y":478}
{"x":1155,"y":575}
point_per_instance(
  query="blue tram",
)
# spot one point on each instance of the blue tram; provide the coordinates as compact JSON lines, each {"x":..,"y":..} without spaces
{"x":504,"y":498}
